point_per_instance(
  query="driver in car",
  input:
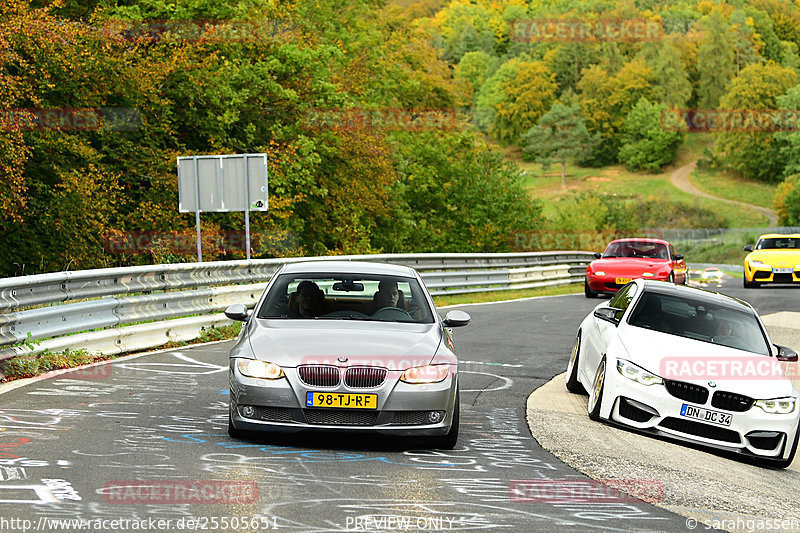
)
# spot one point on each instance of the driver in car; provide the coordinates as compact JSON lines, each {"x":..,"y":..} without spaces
{"x":388,"y":295}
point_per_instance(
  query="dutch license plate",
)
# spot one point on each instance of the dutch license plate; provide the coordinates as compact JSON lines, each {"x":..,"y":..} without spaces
{"x":341,"y":400}
{"x":706,"y":415}
{"x":782,"y":270}
{"x":623,"y":281}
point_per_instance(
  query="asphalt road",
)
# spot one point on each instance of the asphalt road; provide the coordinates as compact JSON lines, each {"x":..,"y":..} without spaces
{"x":143,"y":440}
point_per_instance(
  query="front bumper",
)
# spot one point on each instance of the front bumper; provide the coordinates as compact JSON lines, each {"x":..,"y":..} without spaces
{"x":402,"y":408}
{"x":608,"y":283}
{"x":652,"y":409}
{"x":766,"y":275}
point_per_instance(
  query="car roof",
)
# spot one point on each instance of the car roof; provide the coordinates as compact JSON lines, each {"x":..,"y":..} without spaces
{"x":640,"y":239}
{"x":348,"y":267}
{"x":712,"y":297}
{"x":778,"y":235}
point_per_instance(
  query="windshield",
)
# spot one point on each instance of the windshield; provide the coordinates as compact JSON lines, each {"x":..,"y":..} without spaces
{"x":779,"y":243}
{"x":699,"y":320}
{"x":346,"y":297}
{"x":652,"y":250}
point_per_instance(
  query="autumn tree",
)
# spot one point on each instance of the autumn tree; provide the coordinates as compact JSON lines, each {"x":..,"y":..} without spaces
{"x":646,"y":143}
{"x":716,"y":56}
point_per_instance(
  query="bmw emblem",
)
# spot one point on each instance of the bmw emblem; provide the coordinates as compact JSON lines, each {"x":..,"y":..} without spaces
{"x":712,"y":384}
{"x":342,"y":359}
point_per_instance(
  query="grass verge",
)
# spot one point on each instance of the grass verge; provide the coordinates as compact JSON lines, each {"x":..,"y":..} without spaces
{"x":499,"y":296}
{"x":733,"y":188}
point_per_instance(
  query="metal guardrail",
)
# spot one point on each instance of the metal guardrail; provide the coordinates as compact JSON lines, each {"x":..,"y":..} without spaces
{"x":86,"y":309}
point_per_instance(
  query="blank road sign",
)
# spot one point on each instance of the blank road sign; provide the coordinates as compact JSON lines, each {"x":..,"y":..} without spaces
{"x":223,"y":183}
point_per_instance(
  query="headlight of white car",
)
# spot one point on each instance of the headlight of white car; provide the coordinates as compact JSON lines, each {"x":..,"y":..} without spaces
{"x":637,"y":373}
{"x":425,"y":374}
{"x":779,"y":406}
{"x":755,"y":263}
{"x":259,"y":369}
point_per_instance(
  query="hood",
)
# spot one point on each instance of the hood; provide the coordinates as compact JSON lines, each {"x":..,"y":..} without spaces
{"x":776,"y":258}
{"x":392,"y":345}
{"x":671,"y":357}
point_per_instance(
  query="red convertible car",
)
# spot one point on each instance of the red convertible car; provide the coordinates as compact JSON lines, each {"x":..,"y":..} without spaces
{"x":627,"y":259}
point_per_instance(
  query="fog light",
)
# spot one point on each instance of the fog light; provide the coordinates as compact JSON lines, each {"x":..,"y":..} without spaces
{"x":249,"y":411}
{"x":435,"y":416}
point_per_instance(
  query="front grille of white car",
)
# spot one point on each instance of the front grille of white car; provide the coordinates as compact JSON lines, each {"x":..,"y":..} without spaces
{"x":730,"y":401}
{"x":701,"y":430}
{"x":687,"y":391}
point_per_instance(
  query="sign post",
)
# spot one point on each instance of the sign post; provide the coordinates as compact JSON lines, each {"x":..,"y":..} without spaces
{"x":223,"y":183}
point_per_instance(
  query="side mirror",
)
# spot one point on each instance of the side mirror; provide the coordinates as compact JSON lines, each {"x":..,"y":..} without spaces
{"x":609,"y":314}
{"x":455,"y":319}
{"x":598,"y":255}
{"x":748,"y":248}
{"x":786,"y":354}
{"x":678,"y":257}
{"x":237,"y":312}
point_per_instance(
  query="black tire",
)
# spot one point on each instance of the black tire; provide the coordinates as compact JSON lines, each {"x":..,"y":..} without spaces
{"x":783,"y":463}
{"x":573,"y":385}
{"x":448,"y":441}
{"x":587,"y":291}
{"x":671,"y":277}
{"x":596,"y":394}
{"x":750,"y":284}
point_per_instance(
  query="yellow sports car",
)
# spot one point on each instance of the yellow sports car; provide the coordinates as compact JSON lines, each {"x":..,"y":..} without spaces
{"x":775,"y":259}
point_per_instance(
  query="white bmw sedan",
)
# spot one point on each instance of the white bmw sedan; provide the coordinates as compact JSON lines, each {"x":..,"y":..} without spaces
{"x":690,"y":365}
{"x":347,"y":346}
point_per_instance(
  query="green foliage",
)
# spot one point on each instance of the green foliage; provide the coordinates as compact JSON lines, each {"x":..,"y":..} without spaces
{"x":753,"y":153}
{"x":646,"y":144}
{"x":787,"y":143}
{"x":787,"y":201}
{"x":716,"y":57}
{"x":28,"y":366}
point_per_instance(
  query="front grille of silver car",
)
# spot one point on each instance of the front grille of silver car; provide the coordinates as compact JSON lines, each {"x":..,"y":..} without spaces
{"x":319,"y":375}
{"x":410,"y":418}
{"x":343,"y":417}
{"x":273,"y":414}
{"x":364,"y":377}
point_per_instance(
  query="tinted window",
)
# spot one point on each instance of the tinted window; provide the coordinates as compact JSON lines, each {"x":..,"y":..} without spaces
{"x":778,"y":243}
{"x":699,"y":320}
{"x":346,"y":297}
{"x":622,"y":300}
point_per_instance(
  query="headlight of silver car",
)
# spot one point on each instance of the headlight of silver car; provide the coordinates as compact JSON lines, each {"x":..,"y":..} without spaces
{"x":418,"y":375}
{"x":637,"y":373}
{"x":778,"y":406}
{"x":259,"y":369}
